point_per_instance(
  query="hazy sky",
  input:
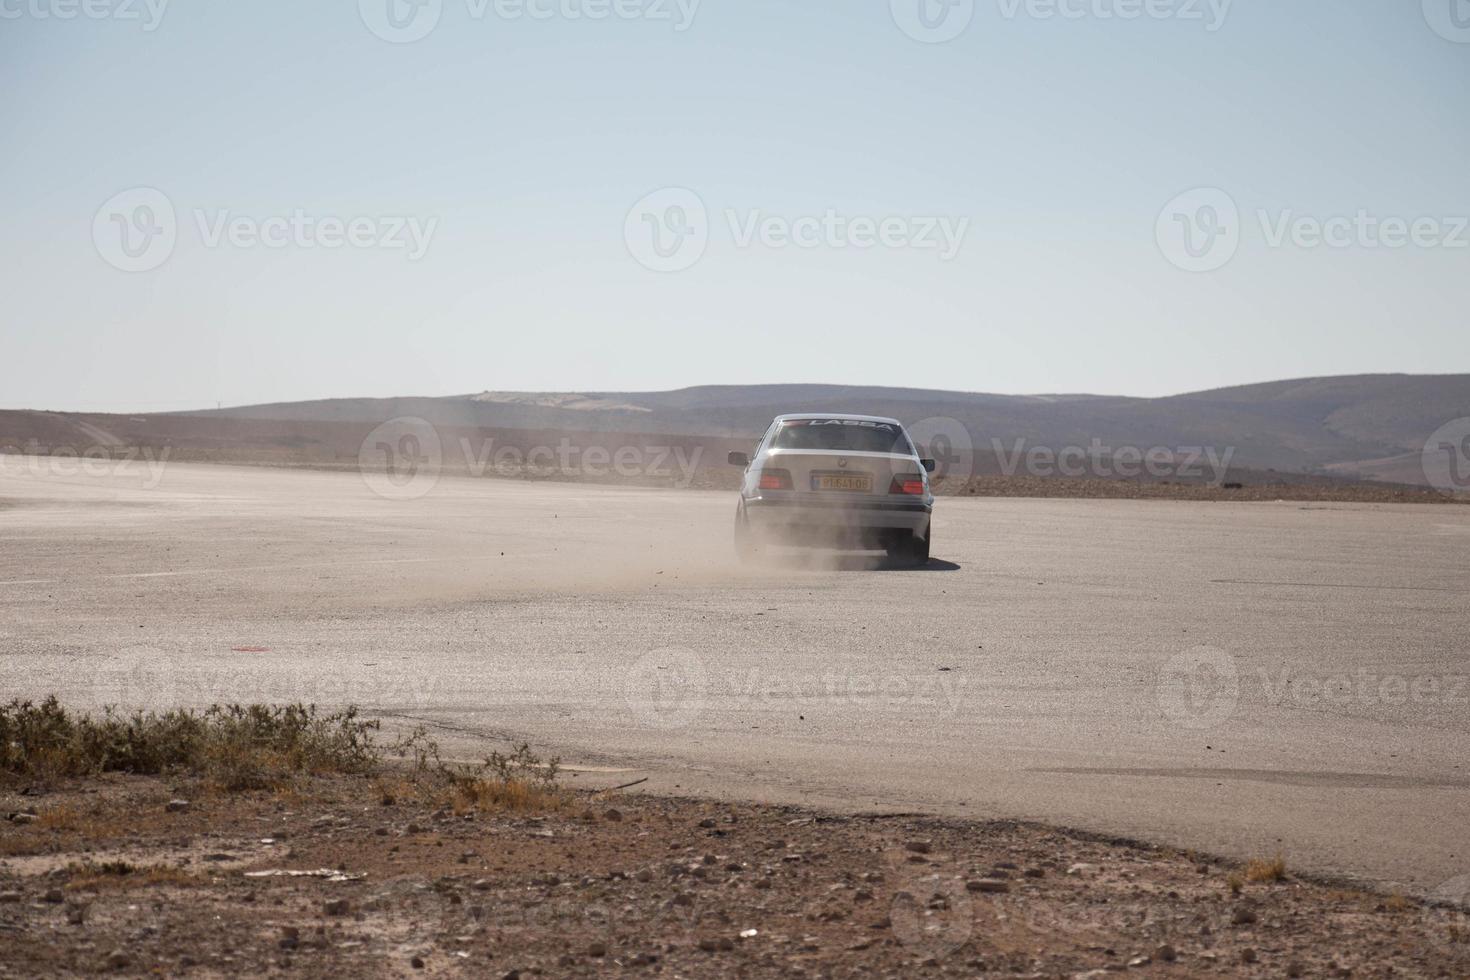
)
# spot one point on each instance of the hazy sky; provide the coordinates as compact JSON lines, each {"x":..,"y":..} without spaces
{"x":273,"y":200}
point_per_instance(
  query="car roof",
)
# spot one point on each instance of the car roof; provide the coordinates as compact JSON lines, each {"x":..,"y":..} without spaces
{"x":838,"y":415}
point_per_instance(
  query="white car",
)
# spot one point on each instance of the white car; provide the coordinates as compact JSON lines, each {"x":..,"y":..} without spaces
{"x":843,"y":481}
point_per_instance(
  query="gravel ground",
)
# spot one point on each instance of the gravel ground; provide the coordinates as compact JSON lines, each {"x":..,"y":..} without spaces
{"x":111,"y":876}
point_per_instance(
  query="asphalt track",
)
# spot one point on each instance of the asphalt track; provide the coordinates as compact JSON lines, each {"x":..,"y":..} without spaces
{"x":1239,"y":678}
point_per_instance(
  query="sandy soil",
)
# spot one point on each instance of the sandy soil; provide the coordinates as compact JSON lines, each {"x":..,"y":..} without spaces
{"x":106,"y":876}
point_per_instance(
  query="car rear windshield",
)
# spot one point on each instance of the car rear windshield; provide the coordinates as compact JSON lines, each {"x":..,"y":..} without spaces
{"x":843,"y":435}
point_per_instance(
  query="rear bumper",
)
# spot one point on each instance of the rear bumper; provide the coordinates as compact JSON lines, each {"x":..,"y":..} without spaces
{"x":836,"y":516}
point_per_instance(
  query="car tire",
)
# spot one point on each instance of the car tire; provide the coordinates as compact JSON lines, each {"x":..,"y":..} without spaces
{"x":919,"y":547}
{"x":747,"y":548}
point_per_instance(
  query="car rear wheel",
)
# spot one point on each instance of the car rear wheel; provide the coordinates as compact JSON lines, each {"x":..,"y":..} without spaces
{"x":919,"y":547}
{"x":910,"y":547}
{"x":747,"y":548}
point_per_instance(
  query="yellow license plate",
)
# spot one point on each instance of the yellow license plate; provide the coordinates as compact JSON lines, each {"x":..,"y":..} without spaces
{"x":858,"y":483}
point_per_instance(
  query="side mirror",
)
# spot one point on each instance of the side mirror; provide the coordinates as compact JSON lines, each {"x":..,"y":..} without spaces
{"x":929,"y":465}
{"x":739,"y":459}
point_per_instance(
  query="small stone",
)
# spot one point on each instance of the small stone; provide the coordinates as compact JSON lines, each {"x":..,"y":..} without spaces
{"x":1166,"y":953}
{"x":336,"y":906}
{"x":54,"y":897}
{"x":482,"y":885}
{"x":24,"y":818}
{"x":614,"y":815}
{"x":76,"y":914}
{"x":1243,"y":916}
{"x":1082,"y":868}
{"x":1295,"y":969}
{"x":918,"y":846}
{"x":9,"y":898}
{"x":989,"y":886}
{"x":118,"y":960}
{"x":644,"y":875}
{"x":177,"y":806}
{"x":707,"y":823}
{"x":597,"y":949}
{"x":709,"y":945}
{"x":1247,"y":955}
{"x":1140,"y":961}
{"x":1035,"y":872}
{"x":417,"y":962}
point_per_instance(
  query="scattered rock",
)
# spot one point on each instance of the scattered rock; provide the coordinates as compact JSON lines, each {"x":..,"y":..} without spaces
{"x":336,"y":906}
{"x":1248,"y":955}
{"x":597,"y":950}
{"x":1166,"y":953}
{"x":10,"y":898}
{"x":613,"y":815}
{"x":177,"y":806}
{"x":918,"y":846}
{"x":988,"y":886}
{"x":1244,"y":916}
{"x":417,"y":962}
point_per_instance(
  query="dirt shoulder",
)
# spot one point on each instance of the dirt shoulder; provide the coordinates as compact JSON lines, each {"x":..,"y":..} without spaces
{"x":354,"y":876}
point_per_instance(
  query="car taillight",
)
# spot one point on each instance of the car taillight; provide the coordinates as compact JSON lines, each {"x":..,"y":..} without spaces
{"x":775,"y":479}
{"x":912,"y":485}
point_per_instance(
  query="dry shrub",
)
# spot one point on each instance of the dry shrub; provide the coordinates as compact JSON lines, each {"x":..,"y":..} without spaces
{"x":517,"y":782}
{"x":234,"y":747}
{"x":1259,"y":870}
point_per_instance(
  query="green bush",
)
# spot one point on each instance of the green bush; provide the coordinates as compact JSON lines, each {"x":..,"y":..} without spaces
{"x":234,"y":746}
